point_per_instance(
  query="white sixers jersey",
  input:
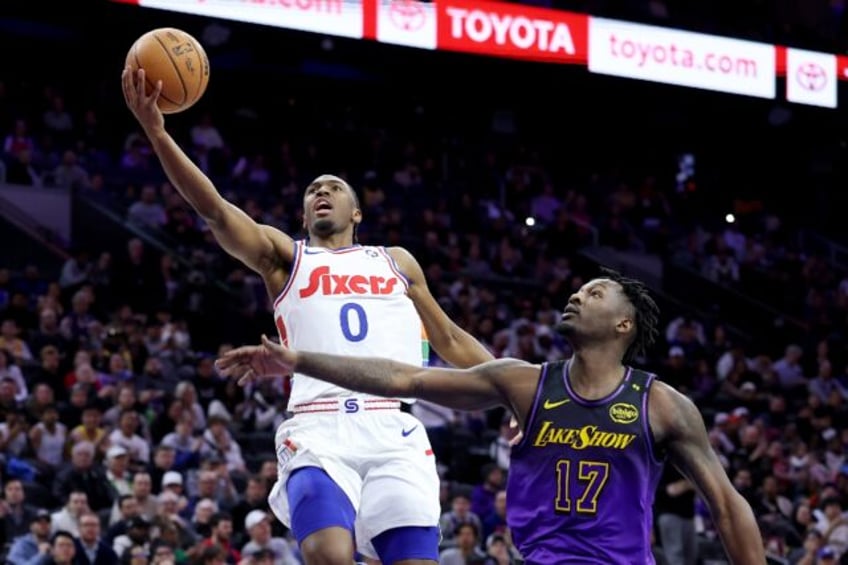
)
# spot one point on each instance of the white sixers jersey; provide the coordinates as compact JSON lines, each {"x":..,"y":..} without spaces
{"x":349,"y":301}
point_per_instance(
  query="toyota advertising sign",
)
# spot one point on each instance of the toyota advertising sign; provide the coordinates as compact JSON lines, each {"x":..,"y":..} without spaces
{"x":512,"y":30}
{"x":518,"y":31}
{"x":811,"y":78}
{"x":342,"y":18}
{"x":683,"y":58}
{"x":407,"y":22}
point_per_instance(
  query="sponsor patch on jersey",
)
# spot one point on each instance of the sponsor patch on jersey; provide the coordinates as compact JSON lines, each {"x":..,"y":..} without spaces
{"x":285,"y":451}
{"x":623,"y":413}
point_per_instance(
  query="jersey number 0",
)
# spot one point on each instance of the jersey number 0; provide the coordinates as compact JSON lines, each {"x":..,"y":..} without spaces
{"x":352,"y":319}
{"x":349,"y":311}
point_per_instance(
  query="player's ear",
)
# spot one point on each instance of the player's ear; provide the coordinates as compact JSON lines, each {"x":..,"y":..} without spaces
{"x":624,"y":326}
{"x":357,"y":216}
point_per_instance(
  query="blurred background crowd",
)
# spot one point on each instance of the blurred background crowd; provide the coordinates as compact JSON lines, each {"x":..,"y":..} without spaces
{"x":120,"y":443}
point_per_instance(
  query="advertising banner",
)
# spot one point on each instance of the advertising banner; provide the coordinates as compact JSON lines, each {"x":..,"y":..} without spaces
{"x":683,"y":58}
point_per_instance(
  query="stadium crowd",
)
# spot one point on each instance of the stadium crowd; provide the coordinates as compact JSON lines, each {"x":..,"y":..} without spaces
{"x":120,"y":443}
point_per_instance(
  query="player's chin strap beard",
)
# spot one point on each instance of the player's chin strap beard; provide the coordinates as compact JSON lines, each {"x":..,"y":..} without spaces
{"x":354,"y":235}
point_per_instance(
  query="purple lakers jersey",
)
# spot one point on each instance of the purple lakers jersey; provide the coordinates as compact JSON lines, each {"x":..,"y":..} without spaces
{"x":582,"y":481}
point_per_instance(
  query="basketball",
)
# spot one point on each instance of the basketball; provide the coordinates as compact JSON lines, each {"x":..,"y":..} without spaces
{"x":178,"y":60}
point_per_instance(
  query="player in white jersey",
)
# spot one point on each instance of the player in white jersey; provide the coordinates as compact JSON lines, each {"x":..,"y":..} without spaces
{"x":349,"y":464}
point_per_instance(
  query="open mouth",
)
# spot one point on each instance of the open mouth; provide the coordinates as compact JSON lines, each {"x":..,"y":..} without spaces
{"x":323,"y":207}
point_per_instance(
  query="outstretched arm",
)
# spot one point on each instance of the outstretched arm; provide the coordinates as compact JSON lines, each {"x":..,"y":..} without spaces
{"x":679,"y":426}
{"x":452,"y":343}
{"x":478,"y":388}
{"x":261,"y":248}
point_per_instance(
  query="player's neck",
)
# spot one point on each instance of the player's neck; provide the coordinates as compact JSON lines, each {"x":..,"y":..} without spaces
{"x":595,"y":372}
{"x":335,"y":241}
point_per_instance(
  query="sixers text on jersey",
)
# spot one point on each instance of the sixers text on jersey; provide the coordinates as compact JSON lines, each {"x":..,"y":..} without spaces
{"x":328,"y":283}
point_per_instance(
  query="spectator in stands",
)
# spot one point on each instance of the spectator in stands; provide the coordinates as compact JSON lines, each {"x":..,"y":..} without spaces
{"x":127,"y":509}
{"x":164,"y":460}
{"x":10,"y":340}
{"x":213,"y":481}
{"x":136,"y":538}
{"x":164,"y":554}
{"x":67,"y":519}
{"x":674,"y":509}
{"x":70,"y":174}
{"x":257,"y":524}
{"x":201,"y":520}
{"x":499,"y":450}
{"x":126,"y":435}
{"x":19,"y":140}
{"x":721,"y":267}
{"x":255,"y":499}
{"x":48,"y":438}
{"x":186,"y":394}
{"x":495,"y":521}
{"x":212,"y":555}
{"x":205,"y":134}
{"x":221,"y":536}
{"x":147,"y":210}
{"x":85,"y":476}
{"x":790,"y":372}
{"x":17,"y":515}
{"x":62,"y":549}
{"x":48,"y":332}
{"x":833,"y":525}
{"x":32,"y":545}
{"x":117,"y":472}
{"x":460,"y":513}
{"x":823,"y":385}
{"x":10,"y":371}
{"x":89,"y":429}
{"x":47,"y":381}
{"x":13,"y":432}
{"x":23,"y":171}
{"x":57,"y":120}
{"x":217,"y":441}
{"x":483,"y":494}
{"x":467,"y":550}
{"x":183,"y":441}
{"x":91,"y":549}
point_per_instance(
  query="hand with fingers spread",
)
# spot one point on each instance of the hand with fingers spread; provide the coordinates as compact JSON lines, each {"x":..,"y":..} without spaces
{"x":257,"y":361}
{"x":141,"y":104}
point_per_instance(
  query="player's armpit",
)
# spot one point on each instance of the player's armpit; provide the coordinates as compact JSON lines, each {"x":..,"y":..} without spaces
{"x":679,"y":428}
{"x":452,"y":343}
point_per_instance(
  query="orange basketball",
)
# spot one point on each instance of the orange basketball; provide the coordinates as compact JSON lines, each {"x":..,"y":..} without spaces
{"x":178,"y":60}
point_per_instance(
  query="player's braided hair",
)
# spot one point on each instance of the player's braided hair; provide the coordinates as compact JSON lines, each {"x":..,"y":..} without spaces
{"x":647,"y":312}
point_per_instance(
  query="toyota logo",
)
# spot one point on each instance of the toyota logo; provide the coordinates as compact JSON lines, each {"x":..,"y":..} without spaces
{"x":811,"y":76}
{"x":407,"y":15}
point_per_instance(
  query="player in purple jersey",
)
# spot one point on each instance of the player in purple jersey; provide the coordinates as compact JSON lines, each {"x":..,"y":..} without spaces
{"x":596,"y":432}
